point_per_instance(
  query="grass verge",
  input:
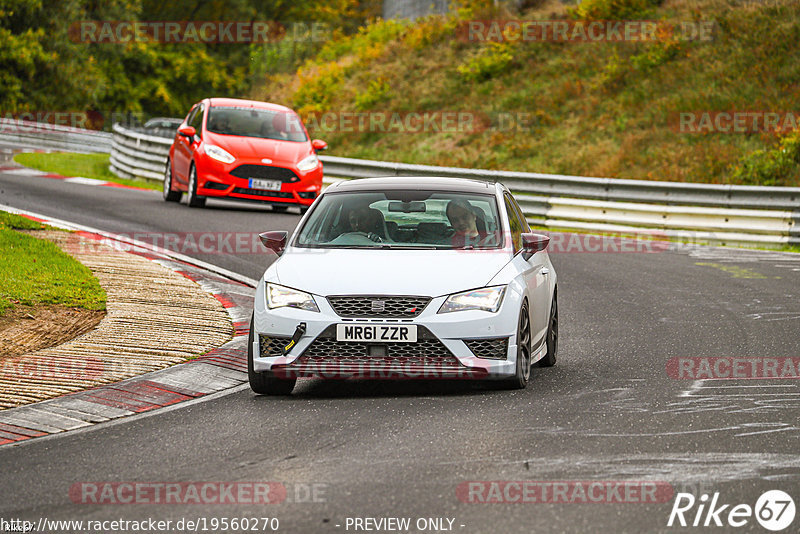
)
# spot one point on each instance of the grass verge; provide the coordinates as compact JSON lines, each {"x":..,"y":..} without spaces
{"x":37,"y":272}
{"x":84,"y":165}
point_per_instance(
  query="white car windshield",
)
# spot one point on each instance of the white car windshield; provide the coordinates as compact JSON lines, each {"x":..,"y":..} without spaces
{"x":403,"y":219}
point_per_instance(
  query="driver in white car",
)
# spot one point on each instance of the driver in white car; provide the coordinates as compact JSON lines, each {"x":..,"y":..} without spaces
{"x":368,"y":221}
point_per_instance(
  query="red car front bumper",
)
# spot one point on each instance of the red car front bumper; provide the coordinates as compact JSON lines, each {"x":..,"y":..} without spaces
{"x":215,"y":179}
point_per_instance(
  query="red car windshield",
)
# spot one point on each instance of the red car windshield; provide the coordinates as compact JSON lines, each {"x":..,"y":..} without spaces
{"x":252,"y":122}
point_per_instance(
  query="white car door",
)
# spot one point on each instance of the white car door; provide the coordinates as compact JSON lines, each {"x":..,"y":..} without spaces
{"x":534,"y":272}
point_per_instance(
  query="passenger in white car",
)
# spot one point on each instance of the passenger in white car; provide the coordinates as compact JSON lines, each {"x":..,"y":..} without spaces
{"x":464,"y":220}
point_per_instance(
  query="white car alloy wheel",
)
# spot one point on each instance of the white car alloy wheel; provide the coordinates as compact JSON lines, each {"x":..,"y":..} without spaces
{"x":523,"y":367}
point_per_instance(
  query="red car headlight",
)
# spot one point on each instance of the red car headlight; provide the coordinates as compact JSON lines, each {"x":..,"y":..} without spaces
{"x":215,"y":152}
{"x":308,"y":163}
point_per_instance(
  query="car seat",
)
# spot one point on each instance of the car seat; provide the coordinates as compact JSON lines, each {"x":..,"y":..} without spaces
{"x":378,"y":223}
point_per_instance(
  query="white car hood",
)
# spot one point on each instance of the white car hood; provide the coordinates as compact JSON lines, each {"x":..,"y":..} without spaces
{"x":388,"y":272}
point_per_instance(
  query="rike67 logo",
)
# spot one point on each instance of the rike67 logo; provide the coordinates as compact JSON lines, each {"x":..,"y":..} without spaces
{"x":774,"y":510}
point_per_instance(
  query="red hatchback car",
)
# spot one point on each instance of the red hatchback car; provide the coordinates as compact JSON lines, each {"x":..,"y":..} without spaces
{"x":245,"y":150}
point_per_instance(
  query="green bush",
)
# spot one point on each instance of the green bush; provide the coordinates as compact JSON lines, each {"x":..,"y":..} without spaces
{"x":614,"y":73}
{"x":429,"y":30}
{"x":490,"y":61}
{"x":378,"y":91}
{"x":280,"y":57}
{"x":613,"y":9}
{"x":318,"y":85}
{"x":21,"y":56}
{"x":655,"y":55}
{"x":618,"y":71}
{"x":378,"y":32}
{"x":776,"y":166}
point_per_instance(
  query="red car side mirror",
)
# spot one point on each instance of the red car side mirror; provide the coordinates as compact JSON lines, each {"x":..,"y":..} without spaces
{"x":319,"y":145}
{"x":533,"y":243}
{"x":187,"y":131}
{"x":274,"y":241}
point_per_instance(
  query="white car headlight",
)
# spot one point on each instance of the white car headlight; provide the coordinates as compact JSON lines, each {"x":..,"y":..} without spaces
{"x":280,"y":296}
{"x":487,"y":298}
{"x":219,"y":154}
{"x":308,"y":163}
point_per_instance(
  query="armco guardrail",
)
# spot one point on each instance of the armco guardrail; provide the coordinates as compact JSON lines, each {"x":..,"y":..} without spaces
{"x":612,"y":189}
{"x":768,"y":216}
{"x":138,"y":155}
{"x":730,"y":214}
{"x":27,"y":133}
{"x":693,"y":212}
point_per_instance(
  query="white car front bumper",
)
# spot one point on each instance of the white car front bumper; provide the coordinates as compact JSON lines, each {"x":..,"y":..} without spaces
{"x":440,"y":352}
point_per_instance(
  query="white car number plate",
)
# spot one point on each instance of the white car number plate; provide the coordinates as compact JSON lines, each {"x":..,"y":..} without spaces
{"x":380,"y":333}
{"x":269,"y":185}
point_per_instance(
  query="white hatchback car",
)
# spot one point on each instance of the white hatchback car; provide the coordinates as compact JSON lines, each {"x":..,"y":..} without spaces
{"x":405,"y":278}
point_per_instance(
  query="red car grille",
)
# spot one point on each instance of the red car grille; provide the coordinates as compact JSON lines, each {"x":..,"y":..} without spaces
{"x":266,"y":172}
{"x":261,"y":193}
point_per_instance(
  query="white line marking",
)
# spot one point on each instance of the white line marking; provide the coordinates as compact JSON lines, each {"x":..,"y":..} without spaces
{"x":25,"y":172}
{"x":85,"y":181}
{"x":696,"y":385}
{"x":759,"y":387}
{"x":173,"y":255}
{"x":139,"y":244}
{"x":749,"y":395}
{"x":766,"y":431}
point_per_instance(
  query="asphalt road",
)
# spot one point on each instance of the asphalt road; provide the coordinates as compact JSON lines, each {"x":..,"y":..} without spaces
{"x":608,"y":411}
